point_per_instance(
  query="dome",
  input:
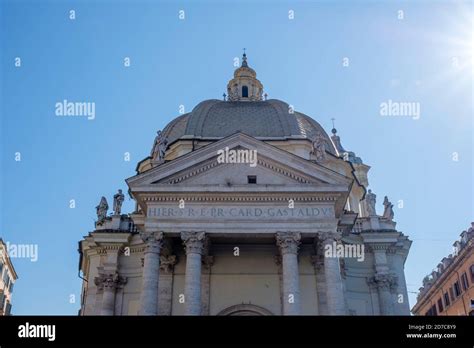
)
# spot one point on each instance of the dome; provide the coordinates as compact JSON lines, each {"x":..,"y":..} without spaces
{"x":265,"y":120}
{"x":245,"y":110}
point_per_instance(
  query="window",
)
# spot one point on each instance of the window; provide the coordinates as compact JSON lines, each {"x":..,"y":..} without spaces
{"x":446,"y":300}
{"x":6,"y":280}
{"x":464,"y":281}
{"x":457,"y":289}
{"x":472,"y":273}
{"x":252,"y":179}
{"x":1,"y":267}
{"x":431,"y":311}
{"x":440,"y":305}
{"x":245,"y":92}
{"x":2,"y":300}
{"x":451,"y":294}
{"x":8,"y":308}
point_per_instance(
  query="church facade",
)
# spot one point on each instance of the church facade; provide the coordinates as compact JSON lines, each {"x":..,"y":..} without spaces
{"x":246,"y":207}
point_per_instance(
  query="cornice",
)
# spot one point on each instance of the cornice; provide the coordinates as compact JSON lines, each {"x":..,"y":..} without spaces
{"x":238,"y":198}
{"x":7,"y":259}
{"x":436,"y":286}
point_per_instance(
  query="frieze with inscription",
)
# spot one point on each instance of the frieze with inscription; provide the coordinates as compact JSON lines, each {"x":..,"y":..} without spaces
{"x":320,"y":212}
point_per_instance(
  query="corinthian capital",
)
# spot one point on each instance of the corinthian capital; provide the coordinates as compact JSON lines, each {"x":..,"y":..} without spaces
{"x":153,"y":240}
{"x":329,"y":237}
{"x":288,"y":242}
{"x":193,"y":241}
{"x":109,"y":281}
{"x":383,"y":281}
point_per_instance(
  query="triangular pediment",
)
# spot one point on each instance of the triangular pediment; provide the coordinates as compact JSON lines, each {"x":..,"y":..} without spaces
{"x":273,"y":167}
{"x":265,"y":170}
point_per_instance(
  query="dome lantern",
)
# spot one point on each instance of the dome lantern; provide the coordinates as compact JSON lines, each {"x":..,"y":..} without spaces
{"x":244,"y":86}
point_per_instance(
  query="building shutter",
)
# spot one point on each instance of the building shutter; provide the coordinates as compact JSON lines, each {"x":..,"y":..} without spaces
{"x":451,"y":293}
{"x":8,"y":308}
{"x":2,"y":299}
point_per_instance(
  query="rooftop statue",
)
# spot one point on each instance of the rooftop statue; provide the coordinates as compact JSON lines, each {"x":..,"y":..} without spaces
{"x":388,"y":211}
{"x":370,"y":199}
{"x":102,"y":210}
{"x":159,"y":147}
{"x":119,"y":197}
{"x":319,"y":147}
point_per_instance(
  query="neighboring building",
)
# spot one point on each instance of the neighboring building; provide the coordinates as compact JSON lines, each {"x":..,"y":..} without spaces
{"x":449,"y":290}
{"x":8,"y":277}
{"x":237,"y":209}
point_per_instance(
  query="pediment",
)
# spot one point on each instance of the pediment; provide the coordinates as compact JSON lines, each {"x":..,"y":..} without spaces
{"x":202,"y":168}
{"x":266,"y":171}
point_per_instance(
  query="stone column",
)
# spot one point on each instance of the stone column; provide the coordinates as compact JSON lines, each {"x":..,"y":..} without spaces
{"x":194,"y":244}
{"x":288,"y":243}
{"x":207,"y":262}
{"x":401,"y":306}
{"x":109,"y":284}
{"x":374,"y":297}
{"x":383,"y":280}
{"x":151,"y":272}
{"x":318,"y":264}
{"x":165,"y":286}
{"x":277,"y":259}
{"x":384,"y":283}
{"x":336,"y":302}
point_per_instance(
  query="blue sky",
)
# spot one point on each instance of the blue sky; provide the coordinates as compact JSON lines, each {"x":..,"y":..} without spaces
{"x":176,"y":62}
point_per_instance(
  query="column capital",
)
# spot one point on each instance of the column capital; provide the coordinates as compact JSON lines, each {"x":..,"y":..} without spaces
{"x":383,"y":281}
{"x":152,"y":237}
{"x":194,"y":242}
{"x":288,"y":242}
{"x":329,"y":237}
{"x":109,"y":281}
